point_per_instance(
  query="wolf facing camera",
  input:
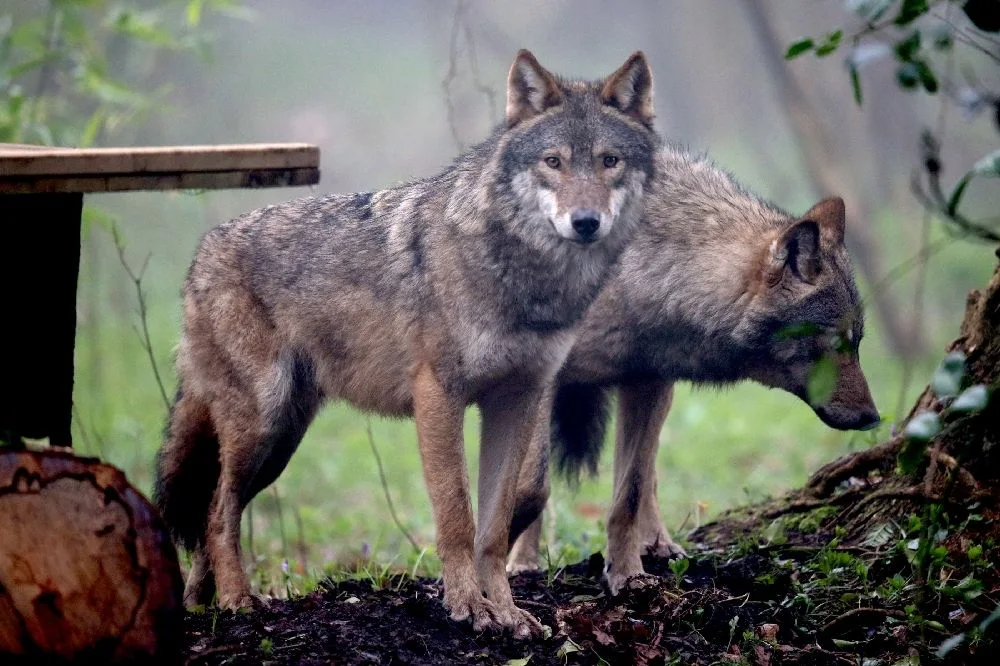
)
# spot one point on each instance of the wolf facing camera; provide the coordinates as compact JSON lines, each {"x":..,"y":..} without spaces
{"x":417,"y":300}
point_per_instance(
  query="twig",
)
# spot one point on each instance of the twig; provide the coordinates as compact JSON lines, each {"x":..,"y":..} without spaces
{"x":302,"y":546}
{"x":281,"y":522}
{"x":461,"y":26}
{"x":87,"y":442}
{"x":144,"y":337}
{"x":857,"y":613}
{"x":451,"y":75}
{"x":385,"y":488}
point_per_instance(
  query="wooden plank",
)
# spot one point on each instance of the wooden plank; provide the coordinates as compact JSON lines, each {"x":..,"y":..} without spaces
{"x":20,"y":161}
{"x":207,"y":180}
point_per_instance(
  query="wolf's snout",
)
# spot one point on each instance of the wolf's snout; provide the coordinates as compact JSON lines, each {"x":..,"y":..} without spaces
{"x":846,"y":418}
{"x":586,"y":221}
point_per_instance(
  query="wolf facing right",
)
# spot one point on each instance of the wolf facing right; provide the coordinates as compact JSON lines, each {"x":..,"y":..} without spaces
{"x":717,"y":286}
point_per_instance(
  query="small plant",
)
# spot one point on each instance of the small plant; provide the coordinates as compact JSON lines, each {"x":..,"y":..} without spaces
{"x":266,"y":647}
{"x":679,"y":567}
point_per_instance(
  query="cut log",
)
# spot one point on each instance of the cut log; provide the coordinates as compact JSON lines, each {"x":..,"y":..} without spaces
{"x":87,"y":570}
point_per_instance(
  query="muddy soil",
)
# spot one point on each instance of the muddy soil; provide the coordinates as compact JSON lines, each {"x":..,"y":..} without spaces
{"x":752,"y":602}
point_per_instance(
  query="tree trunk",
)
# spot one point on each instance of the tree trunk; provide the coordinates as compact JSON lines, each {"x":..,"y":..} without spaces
{"x":86,"y":567}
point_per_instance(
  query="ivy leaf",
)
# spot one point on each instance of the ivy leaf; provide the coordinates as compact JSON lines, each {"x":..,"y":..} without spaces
{"x":869,"y":10}
{"x":907,"y":76}
{"x":907,"y":48}
{"x":923,"y":427}
{"x":822,"y":380}
{"x":989,"y":165}
{"x":911,"y":11}
{"x":973,"y":399}
{"x":795,"y":49}
{"x":947,"y":380}
{"x":829,"y":43}
{"x":927,"y":77}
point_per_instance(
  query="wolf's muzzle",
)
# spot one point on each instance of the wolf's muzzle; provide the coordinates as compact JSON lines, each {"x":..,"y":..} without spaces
{"x":586,"y":222}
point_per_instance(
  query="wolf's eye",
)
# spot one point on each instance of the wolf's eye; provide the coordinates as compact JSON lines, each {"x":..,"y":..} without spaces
{"x":610,"y":161}
{"x":553,"y":161}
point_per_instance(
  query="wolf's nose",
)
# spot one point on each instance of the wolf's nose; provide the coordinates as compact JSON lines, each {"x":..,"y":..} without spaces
{"x":585,"y":223}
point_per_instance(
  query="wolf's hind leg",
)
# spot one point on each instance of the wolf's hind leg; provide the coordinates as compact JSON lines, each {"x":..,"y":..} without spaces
{"x":525,"y":553}
{"x":642,"y":408}
{"x":532,"y":494}
{"x":200,"y":587}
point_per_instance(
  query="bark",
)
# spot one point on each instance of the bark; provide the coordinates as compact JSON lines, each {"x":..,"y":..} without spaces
{"x":87,"y":570}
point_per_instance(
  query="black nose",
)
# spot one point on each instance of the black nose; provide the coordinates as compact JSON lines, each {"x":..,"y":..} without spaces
{"x":848,"y":419}
{"x":585,"y":222}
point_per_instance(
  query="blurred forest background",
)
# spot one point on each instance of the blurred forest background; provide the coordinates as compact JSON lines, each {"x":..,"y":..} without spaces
{"x":392,"y":91}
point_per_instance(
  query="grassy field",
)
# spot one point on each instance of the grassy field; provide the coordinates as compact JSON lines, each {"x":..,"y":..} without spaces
{"x":328,"y":511}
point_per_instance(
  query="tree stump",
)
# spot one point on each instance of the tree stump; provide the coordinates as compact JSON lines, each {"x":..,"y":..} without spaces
{"x":87,"y":569}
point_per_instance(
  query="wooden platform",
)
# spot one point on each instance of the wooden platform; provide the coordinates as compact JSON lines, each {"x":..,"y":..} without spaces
{"x":41,"y":200}
{"x":32,"y":169}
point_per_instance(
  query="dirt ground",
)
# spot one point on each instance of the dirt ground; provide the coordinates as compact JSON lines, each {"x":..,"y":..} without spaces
{"x":760,"y":598}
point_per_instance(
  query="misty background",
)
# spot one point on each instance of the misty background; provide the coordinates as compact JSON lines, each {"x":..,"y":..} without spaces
{"x":392,"y":91}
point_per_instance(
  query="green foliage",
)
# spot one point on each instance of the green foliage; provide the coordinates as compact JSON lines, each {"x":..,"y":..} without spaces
{"x":947,"y":380}
{"x":679,"y":567}
{"x":822,"y":380}
{"x":76,"y":73}
{"x":795,"y":49}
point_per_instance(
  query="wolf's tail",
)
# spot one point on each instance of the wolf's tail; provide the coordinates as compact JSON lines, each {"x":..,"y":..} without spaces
{"x":187,"y":470}
{"x":579,"y":421}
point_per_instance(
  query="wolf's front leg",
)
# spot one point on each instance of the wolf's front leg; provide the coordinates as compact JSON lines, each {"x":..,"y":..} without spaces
{"x":634,"y":519}
{"x":439,"y":429}
{"x":509,"y":415}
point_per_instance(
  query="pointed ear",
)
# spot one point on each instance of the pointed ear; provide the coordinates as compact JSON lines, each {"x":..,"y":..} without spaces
{"x":531,"y":89}
{"x":830,"y":215}
{"x":630,"y":89}
{"x":797,"y":249}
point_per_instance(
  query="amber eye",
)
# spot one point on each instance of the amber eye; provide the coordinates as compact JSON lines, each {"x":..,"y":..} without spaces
{"x":553,"y":162}
{"x":610,"y":161}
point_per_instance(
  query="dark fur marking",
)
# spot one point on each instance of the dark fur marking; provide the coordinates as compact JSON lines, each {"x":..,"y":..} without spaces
{"x":287,"y":428}
{"x":579,"y":423}
{"x":183,"y":498}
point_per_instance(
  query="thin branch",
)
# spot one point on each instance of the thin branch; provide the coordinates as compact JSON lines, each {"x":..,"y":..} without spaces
{"x":144,"y":337}
{"x":462,"y":27}
{"x":385,"y":488}
{"x":281,"y":522}
{"x":857,"y":613}
{"x":452,"y":75}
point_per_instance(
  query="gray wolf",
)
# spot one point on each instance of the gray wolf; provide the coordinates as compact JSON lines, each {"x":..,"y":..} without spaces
{"x":418,"y":300}
{"x":717,"y":286}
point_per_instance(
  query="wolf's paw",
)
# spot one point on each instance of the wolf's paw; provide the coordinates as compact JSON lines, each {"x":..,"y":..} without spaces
{"x":243,"y":601}
{"x":617,"y":578}
{"x":489,"y":616}
{"x":519,"y":567}
{"x":664,"y":547}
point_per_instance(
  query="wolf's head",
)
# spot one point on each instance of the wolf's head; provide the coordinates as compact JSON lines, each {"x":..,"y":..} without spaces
{"x":808,"y":319}
{"x":578,"y":154}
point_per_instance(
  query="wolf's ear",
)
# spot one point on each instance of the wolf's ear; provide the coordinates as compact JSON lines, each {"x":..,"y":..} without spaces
{"x":531,"y":89}
{"x":630,"y":89}
{"x":797,"y":248}
{"x":830,"y":215}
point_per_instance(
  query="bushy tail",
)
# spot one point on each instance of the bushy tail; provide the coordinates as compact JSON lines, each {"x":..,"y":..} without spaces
{"x":187,"y":470}
{"x":579,"y":422}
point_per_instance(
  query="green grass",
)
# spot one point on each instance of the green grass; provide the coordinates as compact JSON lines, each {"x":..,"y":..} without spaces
{"x":719,"y":449}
